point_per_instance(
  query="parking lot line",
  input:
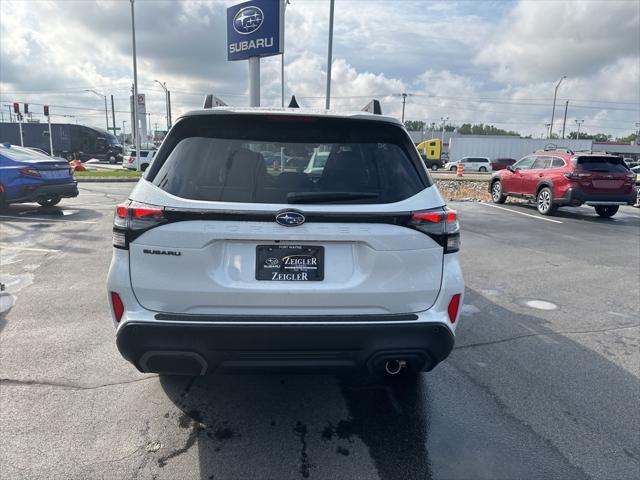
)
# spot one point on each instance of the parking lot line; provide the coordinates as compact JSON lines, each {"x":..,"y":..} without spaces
{"x":27,"y":249}
{"x":45,"y":219}
{"x":537,"y":217}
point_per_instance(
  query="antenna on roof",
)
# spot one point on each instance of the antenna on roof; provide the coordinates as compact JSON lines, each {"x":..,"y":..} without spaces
{"x":373,"y":107}
{"x":211,"y":101}
{"x":293,"y":103}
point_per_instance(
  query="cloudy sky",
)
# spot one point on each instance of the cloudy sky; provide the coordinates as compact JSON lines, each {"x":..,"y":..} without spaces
{"x":472,"y":61}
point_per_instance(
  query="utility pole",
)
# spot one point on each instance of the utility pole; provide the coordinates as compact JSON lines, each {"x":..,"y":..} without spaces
{"x":136,"y":126}
{"x":327,"y":102}
{"x":148,"y":125}
{"x":123,"y":132}
{"x":564,"y":122}
{"x":444,"y":121}
{"x":578,"y":122}
{"x":166,"y":101}
{"x":404,"y":101}
{"x":553,"y":112}
{"x":169,"y":103}
{"x":113,"y":115}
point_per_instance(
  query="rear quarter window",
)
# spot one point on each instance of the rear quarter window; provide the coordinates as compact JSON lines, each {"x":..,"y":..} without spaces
{"x":219,"y":158}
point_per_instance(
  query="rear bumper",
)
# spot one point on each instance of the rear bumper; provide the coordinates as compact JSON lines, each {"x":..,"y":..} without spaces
{"x":32,"y":193}
{"x":575,"y":196}
{"x":187,"y":348}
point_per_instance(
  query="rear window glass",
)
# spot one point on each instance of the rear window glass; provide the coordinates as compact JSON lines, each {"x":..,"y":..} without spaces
{"x":602,"y":164}
{"x":310,"y":160}
{"x":21,"y":154}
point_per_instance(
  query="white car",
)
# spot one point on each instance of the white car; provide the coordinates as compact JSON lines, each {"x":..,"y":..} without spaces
{"x":478,"y":164}
{"x":220,"y":264}
{"x":131,"y":162}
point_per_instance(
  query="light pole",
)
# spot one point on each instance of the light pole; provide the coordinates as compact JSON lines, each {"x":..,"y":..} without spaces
{"x":123,"y":132}
{"x":578,"y":122}
{"x":547,"y":127}
{"x":106,"y":114}
{"x":136,"y":126}
{"x":404,"y":101}
{"x":327,"y":102}
{"x":553,"y":111}
{"x":166,"y":101}
{"x":444,"y":121}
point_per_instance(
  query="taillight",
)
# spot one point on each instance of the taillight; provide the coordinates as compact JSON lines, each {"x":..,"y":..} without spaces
{"x":132,"y":219}
{"x":30,"y":172}
{"x":577,"y":175}
{"x":117,"y":305}
{"x":454,"y":305}
{"x":440,"y":224}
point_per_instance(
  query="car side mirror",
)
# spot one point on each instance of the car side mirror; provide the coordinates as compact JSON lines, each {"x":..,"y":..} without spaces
{"x":510,"y":168}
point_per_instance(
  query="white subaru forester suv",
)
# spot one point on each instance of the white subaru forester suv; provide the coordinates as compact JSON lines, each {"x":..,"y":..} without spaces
{"x":223,"y":262}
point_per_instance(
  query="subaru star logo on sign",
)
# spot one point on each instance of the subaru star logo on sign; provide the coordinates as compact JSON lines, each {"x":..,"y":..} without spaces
{"x":290,"y":218}
{"x":255,"y":29}
{"x":248,"y":20}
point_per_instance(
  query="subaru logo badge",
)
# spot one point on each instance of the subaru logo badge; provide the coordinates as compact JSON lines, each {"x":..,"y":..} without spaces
{"x":248,"y":20}
{"x":290,"y":218}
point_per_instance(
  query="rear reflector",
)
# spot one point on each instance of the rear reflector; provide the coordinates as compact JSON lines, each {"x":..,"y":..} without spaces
{"x":454,"y":305}
{"x":117,"y":305}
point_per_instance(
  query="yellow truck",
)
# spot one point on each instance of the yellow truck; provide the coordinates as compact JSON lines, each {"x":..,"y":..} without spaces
{"x":431,"y":152}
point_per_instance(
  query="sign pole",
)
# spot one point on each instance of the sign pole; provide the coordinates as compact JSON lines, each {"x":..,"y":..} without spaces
{"x":50,"y":137}
{"x":254,"y":81}
{"x":20,"y":126}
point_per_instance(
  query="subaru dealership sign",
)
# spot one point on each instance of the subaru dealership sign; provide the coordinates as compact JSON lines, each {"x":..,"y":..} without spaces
{"x":255,"y":29}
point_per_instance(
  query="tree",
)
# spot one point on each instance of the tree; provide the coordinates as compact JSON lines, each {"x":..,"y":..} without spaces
{"x":598,"y":137}
{"x":628,"y":139}
{"x":414,"y":125}
{"x":482,"y":129}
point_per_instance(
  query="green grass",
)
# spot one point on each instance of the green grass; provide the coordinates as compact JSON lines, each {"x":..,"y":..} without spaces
{"x":109,"y":173}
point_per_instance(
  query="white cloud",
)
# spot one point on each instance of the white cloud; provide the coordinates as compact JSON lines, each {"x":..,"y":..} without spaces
{"x":541,"y":41}
{"x":449,"y":54}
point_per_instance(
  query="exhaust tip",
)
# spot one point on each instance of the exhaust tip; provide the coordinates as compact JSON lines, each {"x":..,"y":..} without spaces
{"x":394,"y":367}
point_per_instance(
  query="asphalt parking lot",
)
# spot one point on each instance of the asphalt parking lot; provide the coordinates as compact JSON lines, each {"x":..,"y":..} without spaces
{"x":543,"y":383}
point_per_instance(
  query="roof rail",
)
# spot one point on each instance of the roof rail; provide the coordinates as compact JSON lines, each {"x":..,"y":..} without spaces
{"x":554,"y":148}
{"x":373,"y":107}
{"x":211,"y":101}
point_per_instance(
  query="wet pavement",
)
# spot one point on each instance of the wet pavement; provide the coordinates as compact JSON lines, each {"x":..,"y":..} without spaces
{"x":543,"y":382}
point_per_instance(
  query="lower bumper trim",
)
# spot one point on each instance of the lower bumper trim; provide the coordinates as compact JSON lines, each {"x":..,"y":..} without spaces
{"x":194,"y":349}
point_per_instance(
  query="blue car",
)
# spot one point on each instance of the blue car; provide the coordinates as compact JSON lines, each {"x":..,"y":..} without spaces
{"x":29,"y":176}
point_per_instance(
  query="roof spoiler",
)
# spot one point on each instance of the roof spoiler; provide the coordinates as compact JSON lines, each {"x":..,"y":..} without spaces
{"x":211,"y":101}
{"x":373,"y":107}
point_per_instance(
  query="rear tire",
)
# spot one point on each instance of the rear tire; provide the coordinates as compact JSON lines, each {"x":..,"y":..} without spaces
{"x":482,"y":169}
{"x":496,"y":192}
{"x":112,"y":160}
{"x":544,"y":202}
{"x":49,"y":202}
{"x":606,"y":211}
{"x":453,"y":169}
{"x":144,"y":166}
{"x":434,"y":167}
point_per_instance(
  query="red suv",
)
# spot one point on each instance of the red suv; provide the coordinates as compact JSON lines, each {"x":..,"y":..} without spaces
{"x":559,"y":178}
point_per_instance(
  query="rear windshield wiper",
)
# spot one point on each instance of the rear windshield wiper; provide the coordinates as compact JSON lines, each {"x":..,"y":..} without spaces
{"x":320,"y":197}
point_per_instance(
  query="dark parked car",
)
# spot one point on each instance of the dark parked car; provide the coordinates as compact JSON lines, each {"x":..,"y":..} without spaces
{"x":501,"y":163}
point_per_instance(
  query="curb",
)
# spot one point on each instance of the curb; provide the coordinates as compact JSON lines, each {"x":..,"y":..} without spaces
{"x":107,"y":179}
